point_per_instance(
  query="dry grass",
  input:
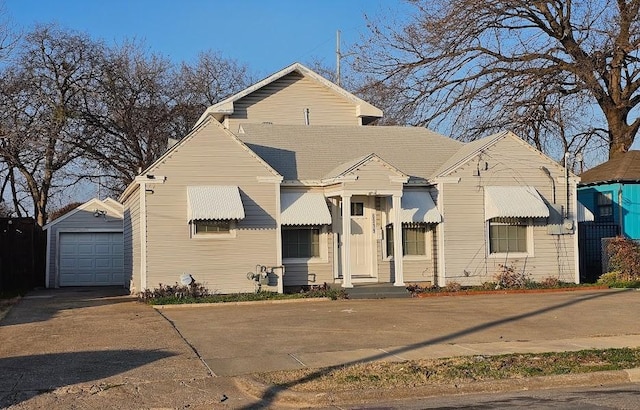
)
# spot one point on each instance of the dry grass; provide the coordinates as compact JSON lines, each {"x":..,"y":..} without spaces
{"x":388,"y":375}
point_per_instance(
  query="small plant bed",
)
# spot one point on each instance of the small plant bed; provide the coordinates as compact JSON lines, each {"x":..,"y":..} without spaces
{"x":197,"y":293}
{"x":492,"y":288}
{"x":416,"y":373}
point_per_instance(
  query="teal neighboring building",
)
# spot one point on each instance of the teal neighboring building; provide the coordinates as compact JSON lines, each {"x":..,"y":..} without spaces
{"x":611,"y":191}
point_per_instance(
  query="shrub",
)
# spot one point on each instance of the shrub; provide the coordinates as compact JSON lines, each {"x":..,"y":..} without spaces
{"x":323,"y":291}
{"x":550,"y":282}
{"x":453,"y":287}
{"x":507,"y":278}
{"x":193,"y":291}
{"x":616,"y":279}
{"x":624,"y":257}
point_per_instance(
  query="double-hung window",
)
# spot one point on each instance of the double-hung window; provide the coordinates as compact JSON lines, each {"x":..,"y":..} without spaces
{"x":300,"y":242}
{"x":604,"y":202}
{"x":414,"y":239}
{"x":508,"y":235}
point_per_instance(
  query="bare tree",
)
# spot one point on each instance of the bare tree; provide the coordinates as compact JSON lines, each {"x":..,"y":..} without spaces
{"x":130,"y":112}
{"x":142,"y":101}
{"x":475,"y":65}
{"x":39,"y":99}
{"x":210,"y":80}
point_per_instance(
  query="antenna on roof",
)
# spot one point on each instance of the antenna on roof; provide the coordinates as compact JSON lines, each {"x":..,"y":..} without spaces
{"x":338,"y":57}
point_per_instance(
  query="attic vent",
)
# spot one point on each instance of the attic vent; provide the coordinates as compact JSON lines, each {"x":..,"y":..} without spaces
{"x":240,"y":130}
{"x":306,"y":116}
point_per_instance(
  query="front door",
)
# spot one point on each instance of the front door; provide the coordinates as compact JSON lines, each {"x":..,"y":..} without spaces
{"x":361,"y":237}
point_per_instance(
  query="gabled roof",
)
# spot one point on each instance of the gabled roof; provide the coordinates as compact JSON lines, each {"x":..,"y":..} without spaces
{"x":351,"y":166}
{"x":91,"y":205}
{"x":466,"y":152}
{"x":226,"y":107}
{"x":471,"y":149}
{"x":210,"y":121}
{"x":625,"y":167}
{"x":310,"y":153}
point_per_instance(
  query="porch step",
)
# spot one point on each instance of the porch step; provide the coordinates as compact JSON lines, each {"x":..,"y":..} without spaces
{"x":377,"y":291}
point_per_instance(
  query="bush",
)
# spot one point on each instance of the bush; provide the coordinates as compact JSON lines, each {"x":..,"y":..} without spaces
{"x":550,"y":282}
{"x":193,"y":291}
{"x":323,"y":291}
{"x":507,"y":278}
{"x":624,"y":257}
{"x":616,"y":279}
{"x":453,"y":287}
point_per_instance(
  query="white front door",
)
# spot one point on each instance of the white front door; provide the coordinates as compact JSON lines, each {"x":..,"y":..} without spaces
{"x":361,"y":237}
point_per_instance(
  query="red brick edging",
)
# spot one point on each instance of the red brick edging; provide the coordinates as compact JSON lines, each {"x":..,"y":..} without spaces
{"x":505,"y":291}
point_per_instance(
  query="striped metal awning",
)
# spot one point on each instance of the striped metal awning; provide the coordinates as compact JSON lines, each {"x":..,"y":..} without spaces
{"x":418,"y":207}
{"x":214,"y":203}
{"x":513,"y":202}
{"x":304,"y":208}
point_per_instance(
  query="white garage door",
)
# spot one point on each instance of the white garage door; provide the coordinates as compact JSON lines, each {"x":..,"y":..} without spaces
{"x":91,"y":259}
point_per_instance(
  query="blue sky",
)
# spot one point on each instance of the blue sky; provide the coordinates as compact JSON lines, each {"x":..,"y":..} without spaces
{"x":266,"y":35}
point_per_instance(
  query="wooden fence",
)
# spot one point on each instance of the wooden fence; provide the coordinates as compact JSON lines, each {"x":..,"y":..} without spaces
{"x":22,"y":254}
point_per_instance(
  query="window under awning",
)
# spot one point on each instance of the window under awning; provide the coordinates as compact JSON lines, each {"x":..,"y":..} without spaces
{"x":214,"y":202}
{"x":418,"y":207}
{"x":513,"y":202}
{"x":304,"y":208}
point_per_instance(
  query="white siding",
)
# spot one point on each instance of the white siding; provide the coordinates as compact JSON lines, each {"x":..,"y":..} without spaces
{"x":465,"y":247}
{"x":131,"y":241}
{"x":210,"y":157}
{"x":284,"y":102}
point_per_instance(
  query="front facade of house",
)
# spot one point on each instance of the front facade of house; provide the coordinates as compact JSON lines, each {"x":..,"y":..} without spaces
{"x":285,"y":185}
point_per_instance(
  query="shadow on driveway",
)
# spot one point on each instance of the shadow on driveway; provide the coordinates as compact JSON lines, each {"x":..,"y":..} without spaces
{"x":41,"y":305}
{"x":269,"y":397}
{"x":24,"y":377}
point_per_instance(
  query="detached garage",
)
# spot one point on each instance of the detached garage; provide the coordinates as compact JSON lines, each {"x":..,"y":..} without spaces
{"x":84,"y":246}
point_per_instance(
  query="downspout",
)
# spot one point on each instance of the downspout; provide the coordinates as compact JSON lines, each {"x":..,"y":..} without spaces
{"x":575,"y":233}
{"x":279,"y":238}
{"x":620,"y":214}
{"x":143,"y":236}
{"x":440,"y":275}
{"x":566,"y":181}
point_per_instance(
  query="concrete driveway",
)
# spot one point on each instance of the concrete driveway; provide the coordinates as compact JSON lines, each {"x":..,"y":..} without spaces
{"x":248,"y":338}
{"x":99,"y":348}
{"x":88,"y":348}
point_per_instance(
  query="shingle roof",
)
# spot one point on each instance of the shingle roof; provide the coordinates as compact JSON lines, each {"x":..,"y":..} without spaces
{"x":625,"y":167}
{"x":312,"y":152}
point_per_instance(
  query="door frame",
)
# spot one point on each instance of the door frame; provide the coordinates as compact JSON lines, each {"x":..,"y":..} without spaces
{"x":372,"y":237}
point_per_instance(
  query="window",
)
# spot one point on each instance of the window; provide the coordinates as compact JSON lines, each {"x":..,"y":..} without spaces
{"x":300,"y":242}
{"x":211,"y":227}
{"x":508,"y":236}
{"x":414,"y":240}
{"x":357,"y":208}
{"x":604,"y":202}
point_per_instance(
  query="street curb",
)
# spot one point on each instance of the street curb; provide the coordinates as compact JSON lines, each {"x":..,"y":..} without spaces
{"x":247,"y":303}
{"x":281,"y":396}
